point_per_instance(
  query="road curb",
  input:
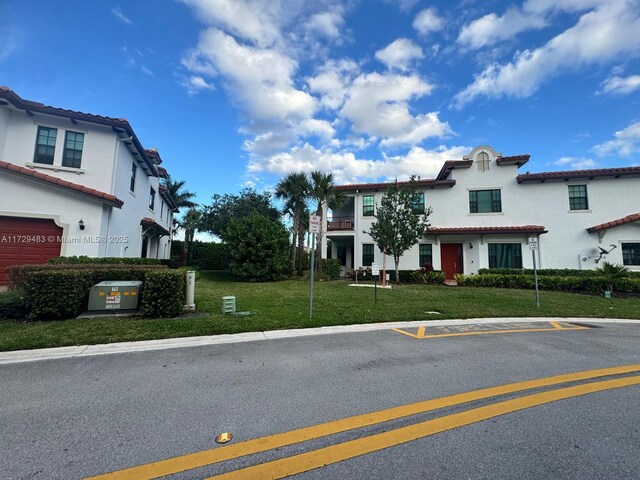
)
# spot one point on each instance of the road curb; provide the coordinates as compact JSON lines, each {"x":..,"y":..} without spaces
{"x":22,"y":356}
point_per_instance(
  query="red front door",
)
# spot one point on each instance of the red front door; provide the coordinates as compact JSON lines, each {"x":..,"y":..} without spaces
{"x":451,"y":259}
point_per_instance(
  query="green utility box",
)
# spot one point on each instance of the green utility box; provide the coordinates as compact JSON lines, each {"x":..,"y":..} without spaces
{"x":114,"y":295}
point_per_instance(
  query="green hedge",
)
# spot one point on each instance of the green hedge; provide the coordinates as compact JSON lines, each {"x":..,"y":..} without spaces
{"x":577,"y":283}
{"x":331,"y":268}
{"x":556,"y":272}
{"x":204,"y":255}
{"x":52,"y":294}
{"x":12,"y":306}
{"x":163,"y":294}
{"x":406,"y":276}
{"x":100,"y":272}
{"x":83,"y":259}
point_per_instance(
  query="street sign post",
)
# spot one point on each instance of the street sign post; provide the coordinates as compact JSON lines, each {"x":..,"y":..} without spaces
{"x":314,"y":227}
{"x":375,"y":271}
{"x":533,"y":246}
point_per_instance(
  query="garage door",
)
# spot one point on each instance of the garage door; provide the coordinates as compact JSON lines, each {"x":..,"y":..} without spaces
{"x":27,"y":240}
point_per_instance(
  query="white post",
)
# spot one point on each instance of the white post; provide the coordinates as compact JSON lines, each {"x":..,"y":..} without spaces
{"x":191,"y":291}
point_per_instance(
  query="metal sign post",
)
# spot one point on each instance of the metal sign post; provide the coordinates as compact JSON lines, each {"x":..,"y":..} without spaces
{"x":375,"y":272}
{"x":533,"y":246}
{"x":314,"y":227}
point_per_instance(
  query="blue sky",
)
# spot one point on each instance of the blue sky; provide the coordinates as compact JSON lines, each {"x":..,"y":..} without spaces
{"x":238,"y":93}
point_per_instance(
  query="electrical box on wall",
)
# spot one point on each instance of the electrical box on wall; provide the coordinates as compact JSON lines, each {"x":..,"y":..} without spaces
{"x":114,"y":296}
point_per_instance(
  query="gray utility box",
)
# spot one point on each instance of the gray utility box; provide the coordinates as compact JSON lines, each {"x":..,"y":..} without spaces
{"x":114,"y":296}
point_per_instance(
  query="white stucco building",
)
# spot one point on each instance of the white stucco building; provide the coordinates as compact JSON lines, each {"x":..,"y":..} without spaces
{"x":73,"y":183}
{"x":485,"y":210}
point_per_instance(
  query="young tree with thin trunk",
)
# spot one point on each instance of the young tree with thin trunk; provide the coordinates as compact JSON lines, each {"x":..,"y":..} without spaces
{"x":399,"y":225}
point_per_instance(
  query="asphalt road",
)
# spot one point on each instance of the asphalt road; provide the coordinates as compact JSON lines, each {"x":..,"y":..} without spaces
{"x":81,"y":417}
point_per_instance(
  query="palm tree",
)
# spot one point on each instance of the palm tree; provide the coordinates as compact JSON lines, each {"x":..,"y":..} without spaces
{"x":182,"y":198}
{"x":191,"y":224}
{"x":323,"y":191}
{"x":294,"y":190}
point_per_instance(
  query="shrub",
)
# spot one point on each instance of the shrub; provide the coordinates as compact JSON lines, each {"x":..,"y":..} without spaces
{"x":11,"y":306}
{"x":83,"y":259}
{"x":163,"y":294}
{"x":331,"y":268}
{"x":99,"y":272}
{"x":203,"y":255}
{"x":51,"y":294}
{"x":544,"y":272}
{"x":259,"y":249}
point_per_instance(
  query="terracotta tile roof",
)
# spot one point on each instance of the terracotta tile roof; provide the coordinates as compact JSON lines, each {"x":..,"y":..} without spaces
{"x":634,"y":217}
{"x":49,"y":179}
{"x":381,"y":186}
{"x":164,"y":193}
{"x":151,"y":223}
{"x":501,"y":229}
{"x":513,"y":160}
{"x":119,"y":125}
{"x":588,"y":174}
{"x":450,"y":165}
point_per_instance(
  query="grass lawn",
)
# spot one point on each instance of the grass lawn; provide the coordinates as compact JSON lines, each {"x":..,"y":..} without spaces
{"x":286,"y":305}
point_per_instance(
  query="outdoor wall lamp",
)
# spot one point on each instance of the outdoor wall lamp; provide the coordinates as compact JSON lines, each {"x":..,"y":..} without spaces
{"x":81,"y":224}
{"x":470,"y":245}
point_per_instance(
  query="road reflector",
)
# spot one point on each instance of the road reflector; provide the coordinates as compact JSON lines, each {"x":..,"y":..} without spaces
{"x":223,"y":438}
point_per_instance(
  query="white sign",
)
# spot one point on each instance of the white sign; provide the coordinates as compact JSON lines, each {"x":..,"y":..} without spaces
{"x":533,"y":243}
{"x":314,"y":223}
{"x":375,"y":269}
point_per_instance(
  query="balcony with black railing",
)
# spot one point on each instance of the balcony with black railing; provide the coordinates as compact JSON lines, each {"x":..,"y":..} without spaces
{"x":335,"y":224}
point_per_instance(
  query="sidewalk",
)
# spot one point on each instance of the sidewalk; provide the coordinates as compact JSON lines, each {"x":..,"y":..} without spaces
{"x":147,"y":345}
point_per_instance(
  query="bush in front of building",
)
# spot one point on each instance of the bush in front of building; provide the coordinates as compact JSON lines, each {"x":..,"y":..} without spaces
{"x":163,"y":294}
{"x":83,"y":259}
{"x":557,"y":272}
{"x":99,"y":272}
{"x":54,"y":294}
{"x":331,"y":268}
{"x":12,"y":306}
{"x":576,"y":283}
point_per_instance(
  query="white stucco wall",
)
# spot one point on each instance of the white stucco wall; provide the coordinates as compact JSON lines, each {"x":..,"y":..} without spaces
{"x":105,"y":166}
{"x":565,"y":245}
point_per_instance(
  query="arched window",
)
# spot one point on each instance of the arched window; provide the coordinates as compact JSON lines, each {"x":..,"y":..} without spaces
{"x":483,"y":162}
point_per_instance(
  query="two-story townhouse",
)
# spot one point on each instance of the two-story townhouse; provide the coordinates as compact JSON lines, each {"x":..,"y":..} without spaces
{"x":74,"y":183}
{"x":485,"y":212}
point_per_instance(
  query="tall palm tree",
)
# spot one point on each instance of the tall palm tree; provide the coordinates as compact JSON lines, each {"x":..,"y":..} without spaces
{"x":182,"y":198}
{"x":294,"y":190}
{"x":191,"y":224}
{"x":324,"y":192}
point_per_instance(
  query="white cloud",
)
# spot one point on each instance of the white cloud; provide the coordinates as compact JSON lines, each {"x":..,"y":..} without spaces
{"x":327,"y":24}
{"x":252,"y":20}
{"x":331,"y":82}
{"x":576,"y":163}
{"x":427,"y":21}
{"x":600,"y":36}
{"x":378,"y":106}
{"x":119,"y":14}
{"x":195,"y":84}
{"x":534,"y":14}
{"x":625,"y":142}
{"x":399,"y":54}
{"x":347,"y":168}
{"x":621,"y":85}
{"x":260,"y":80}
{"x":492,"y":28}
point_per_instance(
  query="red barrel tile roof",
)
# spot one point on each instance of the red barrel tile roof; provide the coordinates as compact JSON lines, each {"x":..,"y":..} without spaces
{"x":634,"y":217}
{"x":49,"y":179}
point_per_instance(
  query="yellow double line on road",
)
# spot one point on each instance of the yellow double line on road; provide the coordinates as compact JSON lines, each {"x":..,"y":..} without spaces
{"x":335,"y":453}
